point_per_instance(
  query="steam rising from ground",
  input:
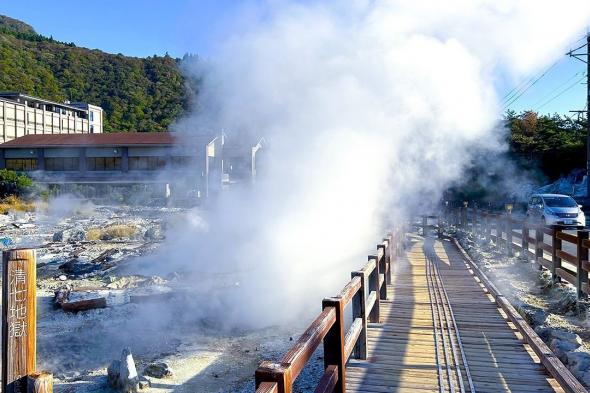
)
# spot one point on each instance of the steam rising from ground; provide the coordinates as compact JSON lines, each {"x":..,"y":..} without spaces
{"x":371,"y":108}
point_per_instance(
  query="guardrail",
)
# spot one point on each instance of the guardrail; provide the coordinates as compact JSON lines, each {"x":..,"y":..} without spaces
{"x":510,"y":234}
{"x":366,"y":289}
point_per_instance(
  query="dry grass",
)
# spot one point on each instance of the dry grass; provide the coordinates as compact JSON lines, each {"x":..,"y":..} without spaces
{"x":112,"y":232}
{"x":13,"y":203}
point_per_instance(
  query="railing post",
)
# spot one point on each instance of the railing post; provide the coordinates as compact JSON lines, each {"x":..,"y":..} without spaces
{"x":538,"y":249}
{"x":334,"y":343}
{"x":375,"y":314}
{"x":439,"y":229}
{"x":524,"y":242}
{"x":555,"y":260}
{"x":582,"y":256}
{"x":382,"y":270}
{"x":19,"y":318}
{"x":275,"y":372}
{"x":359,"y":311}
{"x":388,"y":257}
{"x":509,"y":234}
{"x":424,"y":226}
{"x":464,"y":216}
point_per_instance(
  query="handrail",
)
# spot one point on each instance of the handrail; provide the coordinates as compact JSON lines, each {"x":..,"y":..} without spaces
{"x":365,"y":290}
{"x":308,"y":342}
{"x":499,"y":228}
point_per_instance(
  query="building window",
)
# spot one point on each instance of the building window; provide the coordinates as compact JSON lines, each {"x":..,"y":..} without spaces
{"x":91,"y":116}
{"x":103,"y":163}
{"x":146,"y":163}
{"x":21,"y":164}
{"x":62,"y":164}
{"x":181,"y":162}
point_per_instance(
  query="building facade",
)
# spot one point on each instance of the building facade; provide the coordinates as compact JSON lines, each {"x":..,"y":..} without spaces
{"x":199,"y":165}
{"x":22,"y":115}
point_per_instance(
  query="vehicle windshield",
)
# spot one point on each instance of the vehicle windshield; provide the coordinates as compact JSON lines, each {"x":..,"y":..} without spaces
{"x":563,"y":201}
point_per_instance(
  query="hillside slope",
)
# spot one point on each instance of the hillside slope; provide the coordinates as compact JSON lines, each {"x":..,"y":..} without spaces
{"x":139,"y":94}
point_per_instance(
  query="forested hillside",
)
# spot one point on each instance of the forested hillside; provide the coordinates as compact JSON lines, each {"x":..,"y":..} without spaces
{"x":553,"y":144}
{"x":137,"y":94}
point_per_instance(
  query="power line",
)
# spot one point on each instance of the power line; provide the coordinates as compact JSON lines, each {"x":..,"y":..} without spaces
{"x":533,"y":83}
{"x":563,"y":92}
{"x":513,"y":95}
{"x":571,"y":78}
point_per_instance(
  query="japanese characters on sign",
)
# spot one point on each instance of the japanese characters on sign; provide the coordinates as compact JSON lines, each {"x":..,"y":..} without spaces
{"x":17,"y":312}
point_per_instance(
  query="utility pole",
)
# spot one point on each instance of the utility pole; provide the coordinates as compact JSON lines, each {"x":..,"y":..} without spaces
{"x":585,"y":57}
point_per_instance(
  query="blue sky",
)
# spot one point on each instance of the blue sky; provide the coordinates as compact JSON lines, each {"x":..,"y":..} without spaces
{"x":148,"y":27}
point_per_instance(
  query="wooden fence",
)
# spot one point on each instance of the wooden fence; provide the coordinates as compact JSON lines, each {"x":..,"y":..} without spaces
{"x":565,"y":256}
{"x":365,"y":291}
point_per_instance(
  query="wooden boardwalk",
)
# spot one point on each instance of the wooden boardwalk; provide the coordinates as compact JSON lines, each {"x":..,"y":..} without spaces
{"x":441,"y":330}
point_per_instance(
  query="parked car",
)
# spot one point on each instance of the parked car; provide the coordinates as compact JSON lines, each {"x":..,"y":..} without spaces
{"x":555,"y":210}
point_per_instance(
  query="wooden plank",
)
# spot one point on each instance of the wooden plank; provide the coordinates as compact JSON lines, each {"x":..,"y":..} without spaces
{"x":371,"y":302}
{"x":268,"y":387}
{"x":352,"y":336}
{"x":328,"y":381}
{"x":350,"y":289}
{"x":546,"y":247}
{"x":566,"y":275}
{"x":567,"y":256}
{"x":19,"y":318}
{"x":567,"y":237}
{"x":308,"y":342}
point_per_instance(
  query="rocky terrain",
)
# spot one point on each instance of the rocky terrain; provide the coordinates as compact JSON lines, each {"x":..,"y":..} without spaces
{"x":95,"y":300}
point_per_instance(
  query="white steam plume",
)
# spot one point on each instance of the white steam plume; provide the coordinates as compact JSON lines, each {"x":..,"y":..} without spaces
{"x":372,"y":108}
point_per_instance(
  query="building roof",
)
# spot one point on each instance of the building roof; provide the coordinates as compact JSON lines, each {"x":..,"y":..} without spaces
{"x":14,"y":96}
{"x":106,"y":139}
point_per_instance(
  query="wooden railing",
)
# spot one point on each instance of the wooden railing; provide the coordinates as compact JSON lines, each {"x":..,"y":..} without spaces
{"x":366,"y":289}
{"x":566,"y":257}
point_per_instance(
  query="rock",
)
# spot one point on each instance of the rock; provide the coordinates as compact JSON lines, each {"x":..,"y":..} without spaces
{"x":78,"y":268}
{"x":122,"y":374}
{"x":543,"y":333}
{"x":113,"y":373}
{"x":560,"y":348}
{"x":128,"y":378}
{"x":153,"y":233}
{"x":74,"y":234}
{"x":61,"y":295}
{"x":562,"y":335}
{"x":578,"y":362}
{"x":144,"y":384}
{"x":533,"y":315}
{"x":584,"y":378}
{"x":545,"y":280}
{"x":63,"y":277}
{"x":158,"y":370}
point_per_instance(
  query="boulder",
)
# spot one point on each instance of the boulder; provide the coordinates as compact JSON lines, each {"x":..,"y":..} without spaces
{"x":561,"y":348}
{"x":158,"y":370}
{"x":74,"y":234}
{"x":533,"y":315}
{"x":578,"y":362}
{"x":122,"y":374}
{"x":569,"y":337}
{"x":153,"y":233}
{"x":113,"y":373}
